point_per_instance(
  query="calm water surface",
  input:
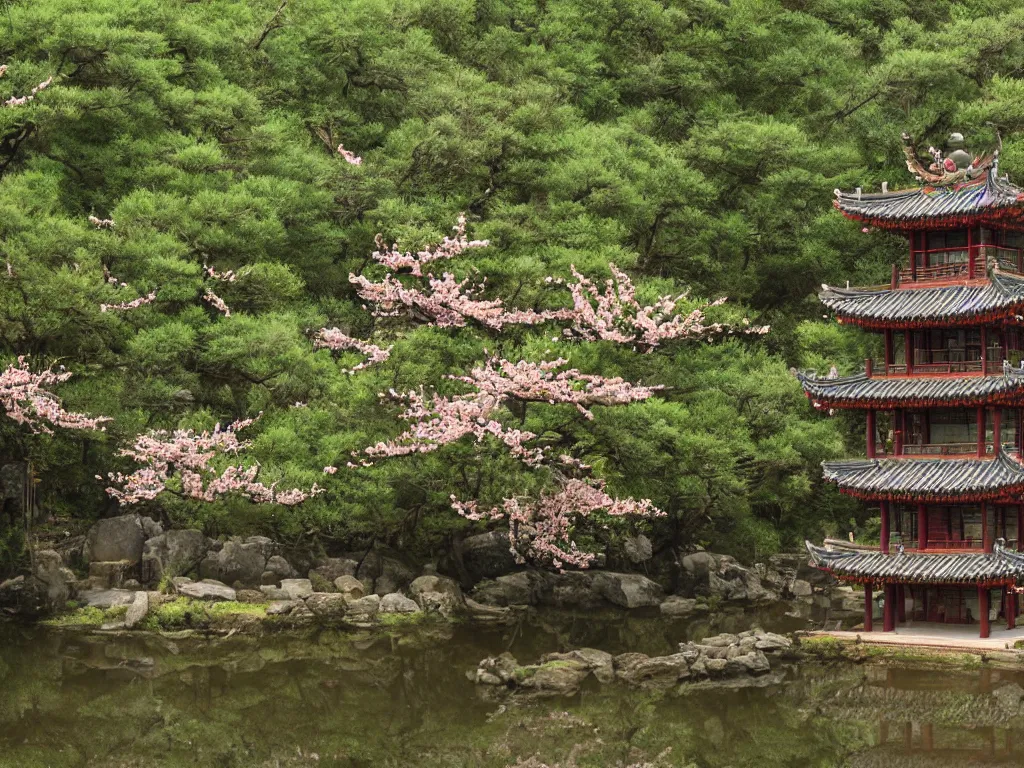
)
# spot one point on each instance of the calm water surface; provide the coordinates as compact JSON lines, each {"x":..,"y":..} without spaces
{"x":341,"y":699}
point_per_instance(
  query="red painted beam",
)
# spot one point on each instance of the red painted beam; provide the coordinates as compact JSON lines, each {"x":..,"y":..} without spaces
{"x":868,"y":609}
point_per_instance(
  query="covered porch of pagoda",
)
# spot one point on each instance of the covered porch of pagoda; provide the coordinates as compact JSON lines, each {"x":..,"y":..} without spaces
{"x":946,"y":527}
{"x":916,"y":607}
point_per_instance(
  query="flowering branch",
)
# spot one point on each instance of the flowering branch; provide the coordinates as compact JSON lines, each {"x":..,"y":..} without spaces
{"x":189,"y":455}
{"x":101,"y":223}
{"x":20,"y":101}
{"x":149,"y":298}
{"x":25,"y":400}
{"x":541,"y":528}
{"x":448,"y":248}
{"x":349,"y":157}
{"x":334,"y":340}
{"x":216,"y":302}
{"x":616,"y":315}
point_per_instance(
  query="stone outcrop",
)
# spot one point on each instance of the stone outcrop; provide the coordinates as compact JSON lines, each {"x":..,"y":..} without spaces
{"x":116,"y":538}
{"x":207,"y":589}
{"x":487,"y":556}
{"x":238,"y":561}
{"x":628,"y":590}
{"x":176,"y":552}
{"x":437,"y":594}
{"x":723,"y":659}
{"x":42,"y":591}
{"x":137,"y":610}
{"x":396,"y":602}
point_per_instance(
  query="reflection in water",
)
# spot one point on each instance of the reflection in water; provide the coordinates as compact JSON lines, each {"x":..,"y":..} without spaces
{"x":343,"y":699}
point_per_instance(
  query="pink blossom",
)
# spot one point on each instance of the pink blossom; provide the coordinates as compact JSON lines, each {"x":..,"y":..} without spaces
{"x":349,"y":157}
{"x":20,"y":101}
{"x":541,"y":529}
{"x":616,"y":315}
{"x":330,"y":470}
{"x":162,"y":454}
{"x":334,"y":339}
{"x":25,"y":400}
{"x":125,"y":305}
{"x":449,"y":248}
{"x":101,"y":223}
{"x":227,"y":277}
{"x":216,"y":302}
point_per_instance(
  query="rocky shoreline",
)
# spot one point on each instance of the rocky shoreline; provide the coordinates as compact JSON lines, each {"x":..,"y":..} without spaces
{"x":127,"y":572}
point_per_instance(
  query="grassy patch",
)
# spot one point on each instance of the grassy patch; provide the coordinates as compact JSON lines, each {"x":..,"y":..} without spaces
{"x":87,"y":616}
{"x":402,"y":619}
{"x":233,"y":608}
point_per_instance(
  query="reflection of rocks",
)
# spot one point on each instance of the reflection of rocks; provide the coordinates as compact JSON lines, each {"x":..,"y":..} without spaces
{"x":716,"y":659}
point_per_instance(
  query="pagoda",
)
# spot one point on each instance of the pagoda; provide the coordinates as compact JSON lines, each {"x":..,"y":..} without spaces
{"x":944,"y":407}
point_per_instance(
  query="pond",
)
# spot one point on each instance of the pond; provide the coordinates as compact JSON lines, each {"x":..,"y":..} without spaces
{"x":403,"y":698}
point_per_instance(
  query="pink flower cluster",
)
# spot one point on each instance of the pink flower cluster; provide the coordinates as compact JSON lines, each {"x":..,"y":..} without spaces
{"x":616,"y":315}
{"x":228,"y":277}
{"x":125,"y":305}
{"x":101,"y":223}
{"x":20,"y":101}
{"x":447,"y":303}
{"x":541,"y":529}
{"x":335,"y":340}
{"x":449,"y":248}
{"x":439,"y":420}
{"x":349,"y":157}
{"x":189,"y":454}
{"x":26,"y":401}
{"x":216,"y":302}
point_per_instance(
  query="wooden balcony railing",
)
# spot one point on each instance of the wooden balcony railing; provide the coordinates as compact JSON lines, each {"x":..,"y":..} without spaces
{"x":992,"y":366}
{"x":948,"y":546}
{"x":943,"y":449}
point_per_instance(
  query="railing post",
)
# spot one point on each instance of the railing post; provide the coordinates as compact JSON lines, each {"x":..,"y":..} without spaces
{"x":884,"y":510}
{"x":869,"y":366}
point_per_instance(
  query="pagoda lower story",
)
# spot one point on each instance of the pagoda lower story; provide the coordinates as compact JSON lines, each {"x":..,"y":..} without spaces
{"x":974,"y":588}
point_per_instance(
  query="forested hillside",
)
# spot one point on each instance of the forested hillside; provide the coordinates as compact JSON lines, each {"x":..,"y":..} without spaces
{"x":694,"y":144}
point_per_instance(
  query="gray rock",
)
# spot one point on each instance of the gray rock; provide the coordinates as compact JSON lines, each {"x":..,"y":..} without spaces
{"x":522,"y":588}
{"x":280,"y":607}
{"x":327,"y":606}
{"x":43,"y":591}
{"x":396,"y":602}
{"x":720,"y":641}
{"x":801,"y":588}
{"x":487,"y":555}
{"x":104,"y":574}
{"x":576,"y":589}
{"x":273,"y":592}
{"x":481,"y":612}
{"x":638,"y":549}
{"x":351,"y":587}
{"x":281,"y":568}
{"x":207,"y":589}
{"x":297,"y":589}
{"x":628,"y":590}
{"x":151,"y":527}
{"x":658,"y":672}
{"x":174,"y":552}
{"x":755,"y":663}
{"x":600,"y":663}
{"x":132,"y":584}
{"x":106,"y":598}
{"x":116,"y":538}
{"x":1009,"y":697}
{"x":437,"y":593}
{"x":553,"y":679}
{"x":364,"y":607}
{"x":334,"y":567}
{"x":676,"y":607}
{"x":137,"y":610}
{"x":773,"y":642}
{"x":237,"y":561}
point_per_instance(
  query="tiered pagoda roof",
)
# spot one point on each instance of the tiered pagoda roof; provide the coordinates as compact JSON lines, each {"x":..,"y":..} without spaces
{"x":1001,"y":298}
{"x":1001,"y":566}
{"x":986,"y":199}
{"x":929,"y":480}
{"x":863,"y":391}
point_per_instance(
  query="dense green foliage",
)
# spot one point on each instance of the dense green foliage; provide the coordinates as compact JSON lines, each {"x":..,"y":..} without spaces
{"x":693,"y":142}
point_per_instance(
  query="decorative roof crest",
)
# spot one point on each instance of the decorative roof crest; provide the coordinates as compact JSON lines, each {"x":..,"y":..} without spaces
{"x":955,"y":168}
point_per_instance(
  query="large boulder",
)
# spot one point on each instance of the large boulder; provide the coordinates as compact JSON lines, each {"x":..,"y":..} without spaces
{"x":44,"y":590}
{"x":327,"y":606}
{"x":116,"y":538}
{"x":487,"y":555}
{"x":207,"y":589}
{"x":396,"y":602}
{"x":333,"y":568}
{"x":522,"y":588}
{"x":709,"y":575}
{"x":385,"y":571}
{"x":296,"y":589}
{"x":437,"y":593}
{"x":351,"y":587}
{"x":175,"y":552}
{"x":638,"y":549}
{"x":237,"y":561}
{"x":628,"y":590}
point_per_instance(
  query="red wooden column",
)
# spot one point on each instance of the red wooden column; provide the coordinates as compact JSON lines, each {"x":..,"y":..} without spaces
{"x":899,"y":420}
{"x":983,"y":610}
{"x":871,"y":433}
{"x":868,"y":609}
{"x":922,"y":526}
{"x":1011,"y":608}
{"x":884,"y":507}
{"x":889,"y":610}
{"x":986,"y":529}
{"x":981,"y":432}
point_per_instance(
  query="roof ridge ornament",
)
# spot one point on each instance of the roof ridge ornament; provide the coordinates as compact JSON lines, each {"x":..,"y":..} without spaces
{"x":946,"y":171}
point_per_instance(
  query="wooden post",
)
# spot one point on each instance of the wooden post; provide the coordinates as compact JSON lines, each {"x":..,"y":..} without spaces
{"x":986,"y":532}
{"x":884,"y":507}
{"x":899,"y":418}
{"x":871,"y":433}
{"x":927,"y":738}
{"x":889,"y":610}
{"x":868,"y":609}
{"x":869,"y":367}
{"x":983,"y":610}
{"x":922,"y":526}
{"x":1011,"y":608}
{"x":901,"y":604}
{"x":981,"y":432}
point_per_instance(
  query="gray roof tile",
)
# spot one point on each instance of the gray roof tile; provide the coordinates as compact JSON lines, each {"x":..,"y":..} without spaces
{"x":961,"y":568}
